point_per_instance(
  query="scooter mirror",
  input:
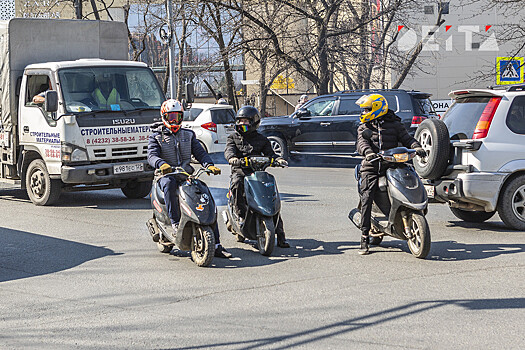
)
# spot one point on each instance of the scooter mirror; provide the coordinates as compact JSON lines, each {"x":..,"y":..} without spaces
{"x":367,"y":134}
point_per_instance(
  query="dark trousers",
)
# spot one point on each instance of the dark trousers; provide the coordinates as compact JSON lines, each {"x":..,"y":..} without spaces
{"x":240,"y":206}
{"x":169,"y":185}
{"x":369,"y":187}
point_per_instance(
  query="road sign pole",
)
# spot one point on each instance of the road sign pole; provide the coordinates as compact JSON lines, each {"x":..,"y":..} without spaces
{"x":171,"y":51}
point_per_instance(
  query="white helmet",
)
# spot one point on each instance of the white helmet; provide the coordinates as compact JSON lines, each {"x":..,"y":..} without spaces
{"x":172,"y":113}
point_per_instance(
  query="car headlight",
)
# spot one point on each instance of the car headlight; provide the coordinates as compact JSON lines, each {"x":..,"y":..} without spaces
{"x":73,"y":153}
{"x":79,"y":155}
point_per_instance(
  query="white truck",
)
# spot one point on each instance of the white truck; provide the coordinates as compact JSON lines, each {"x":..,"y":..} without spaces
{"x":75,"y":114}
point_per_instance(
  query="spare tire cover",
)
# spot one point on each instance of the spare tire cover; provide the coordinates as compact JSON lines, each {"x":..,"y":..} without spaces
{"x":433,"y":136}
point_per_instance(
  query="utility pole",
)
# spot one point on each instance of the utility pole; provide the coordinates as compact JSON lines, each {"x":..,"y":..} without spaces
{"x":171,"y":57}
{"x":78,"y":8}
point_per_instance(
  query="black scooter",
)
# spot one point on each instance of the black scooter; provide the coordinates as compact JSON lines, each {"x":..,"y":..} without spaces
{"x":198,"y":216}
{"x":264,"y":205}
{"x":400,"y":204}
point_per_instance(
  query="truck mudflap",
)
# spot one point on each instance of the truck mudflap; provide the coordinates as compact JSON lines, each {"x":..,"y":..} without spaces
{"x":106,"y":172}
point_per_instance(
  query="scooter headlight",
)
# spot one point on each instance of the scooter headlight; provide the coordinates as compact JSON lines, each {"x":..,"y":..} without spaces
{"x":401,"y":157}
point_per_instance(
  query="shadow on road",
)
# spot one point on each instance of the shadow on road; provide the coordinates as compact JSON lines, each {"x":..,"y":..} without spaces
{"x":495,"y":226}
{"x":308,"y":337}
{"x":249,"y":256}
{"x":455,"y":251}
{"x":24,"y":254}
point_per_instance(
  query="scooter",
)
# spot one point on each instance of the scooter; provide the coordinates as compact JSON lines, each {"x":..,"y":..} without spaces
{"x":400,"y":203}
{"x":264,"y":205}
{"x":198,"y":216}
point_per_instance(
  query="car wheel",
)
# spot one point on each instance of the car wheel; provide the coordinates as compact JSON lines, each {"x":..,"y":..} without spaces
{"x":193,"y":159}
{"x":511,"y":205}
{"x":433,"y":136}
{"x":472,"y":216}
{"x":279,"y":146}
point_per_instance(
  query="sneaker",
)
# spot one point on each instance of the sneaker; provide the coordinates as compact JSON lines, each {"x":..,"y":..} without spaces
{"x":220,"y":252}
{"x":283,"y":243}
{"x":363,"y":250}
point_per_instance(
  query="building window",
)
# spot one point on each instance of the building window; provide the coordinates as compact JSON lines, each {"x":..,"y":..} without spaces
{"x":475,"y":45}
{"x":444,"y":7}
{"x":429,"y":10}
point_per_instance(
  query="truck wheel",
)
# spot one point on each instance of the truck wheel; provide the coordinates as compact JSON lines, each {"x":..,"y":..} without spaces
{"x":433,"y":136}
{"x":136,"y":189}
{"x":511,"y":204}
{"x":472,"y":216}
{"x":41,"y":189}
{"x":279,"y":146}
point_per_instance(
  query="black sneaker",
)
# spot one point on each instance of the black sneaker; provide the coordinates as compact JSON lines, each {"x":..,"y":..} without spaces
{"x":220,"y":252}
{"x":363,"y":250}
{"x":283,"y":244}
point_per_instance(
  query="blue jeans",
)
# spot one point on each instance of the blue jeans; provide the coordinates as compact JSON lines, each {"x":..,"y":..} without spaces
{"x":169,"y":185}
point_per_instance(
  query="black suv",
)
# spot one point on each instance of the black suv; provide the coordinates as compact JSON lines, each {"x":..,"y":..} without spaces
{"x":328,"y":124}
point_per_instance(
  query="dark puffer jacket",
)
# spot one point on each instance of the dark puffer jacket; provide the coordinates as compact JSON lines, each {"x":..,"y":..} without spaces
{"x":252,"y":144}
{"x":175,"y":149}
{"x":387,"y":132}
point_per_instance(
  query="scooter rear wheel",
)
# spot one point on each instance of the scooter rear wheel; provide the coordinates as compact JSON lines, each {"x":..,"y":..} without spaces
{"x":419,"y":243}
{"x":266,"y":235}
{"x":202,"y":246}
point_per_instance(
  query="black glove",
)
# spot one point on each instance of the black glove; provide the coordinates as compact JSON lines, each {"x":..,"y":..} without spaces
{"x":370,"y":156}
{"x":420,"y":151}
{"x":234,"y":161}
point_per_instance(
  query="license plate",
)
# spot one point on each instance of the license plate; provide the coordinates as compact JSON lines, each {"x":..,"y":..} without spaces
{"x":128,"y":168}
{"x":430,"y":191}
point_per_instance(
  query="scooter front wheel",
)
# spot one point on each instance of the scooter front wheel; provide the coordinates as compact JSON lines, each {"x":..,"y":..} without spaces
{"x":265,"y":235}
{"x":419,"y":242}
{"x":202,"y":246}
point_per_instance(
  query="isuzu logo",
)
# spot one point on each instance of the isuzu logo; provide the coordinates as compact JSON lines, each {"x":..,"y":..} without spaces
{"x":123,"y":121}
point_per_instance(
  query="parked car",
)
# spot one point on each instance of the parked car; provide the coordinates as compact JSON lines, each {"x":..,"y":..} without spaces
{"x":476,"y":157}
{"x":212,"y":123}
{"x":328,"y":124}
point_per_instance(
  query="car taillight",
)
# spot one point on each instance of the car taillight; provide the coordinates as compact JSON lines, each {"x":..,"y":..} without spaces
{"x":416,"y":120}
{"x":482,"y":128}
{"x":210,"y":126}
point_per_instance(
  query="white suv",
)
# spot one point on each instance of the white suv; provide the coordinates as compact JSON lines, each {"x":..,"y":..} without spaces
{"x":476,"y":155}
{"x":212,"y":124}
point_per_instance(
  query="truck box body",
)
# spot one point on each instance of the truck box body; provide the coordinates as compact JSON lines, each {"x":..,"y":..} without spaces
{"x":25,"y":41}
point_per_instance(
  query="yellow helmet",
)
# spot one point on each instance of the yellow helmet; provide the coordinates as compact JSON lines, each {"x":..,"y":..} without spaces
{"x":373,"y":105}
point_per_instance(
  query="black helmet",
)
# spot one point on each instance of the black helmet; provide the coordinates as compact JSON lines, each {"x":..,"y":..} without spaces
{"x":250,"y":113}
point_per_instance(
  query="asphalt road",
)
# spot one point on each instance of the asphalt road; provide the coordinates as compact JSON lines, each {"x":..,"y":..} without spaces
{"x":85,"y":274}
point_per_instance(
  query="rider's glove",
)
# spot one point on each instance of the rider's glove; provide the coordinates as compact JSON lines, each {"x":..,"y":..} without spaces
{"x":421,"y":152}
{"x":165,"y":169}
{"x":234,"y":161}
{"x":370,"y":156}
{"x":281,"y":162}
{"x":214,"y":169}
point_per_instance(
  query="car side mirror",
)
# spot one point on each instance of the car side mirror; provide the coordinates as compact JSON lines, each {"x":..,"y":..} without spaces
{"x":303,"y":113}
{"x":51,"y":104}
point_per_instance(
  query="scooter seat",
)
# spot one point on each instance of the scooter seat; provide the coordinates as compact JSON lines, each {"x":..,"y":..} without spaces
{"x":160,"y":195}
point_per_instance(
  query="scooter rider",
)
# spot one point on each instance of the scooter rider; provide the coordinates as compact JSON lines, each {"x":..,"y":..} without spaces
{"x":387,"y":132}
{"x":246,"y":141}
{"x":171,"y":146}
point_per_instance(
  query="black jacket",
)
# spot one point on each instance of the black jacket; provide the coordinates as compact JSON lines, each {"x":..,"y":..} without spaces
{"x":252,"y":144}
{"x":387,"y":132}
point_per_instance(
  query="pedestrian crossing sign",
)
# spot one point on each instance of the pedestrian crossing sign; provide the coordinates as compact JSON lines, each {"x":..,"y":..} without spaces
{"x":509,"y":70}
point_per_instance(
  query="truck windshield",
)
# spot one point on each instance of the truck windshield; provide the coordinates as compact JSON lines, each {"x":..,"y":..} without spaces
{"x":93,"y":89}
